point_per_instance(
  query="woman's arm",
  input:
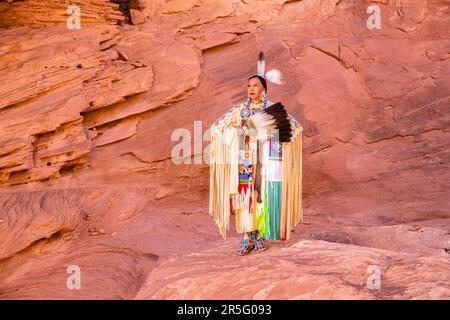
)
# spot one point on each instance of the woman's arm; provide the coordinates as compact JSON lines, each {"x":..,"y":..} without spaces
{"x":229,"y":121}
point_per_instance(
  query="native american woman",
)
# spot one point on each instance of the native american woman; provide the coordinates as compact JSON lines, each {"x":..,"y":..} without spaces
{"x":259,"y":182}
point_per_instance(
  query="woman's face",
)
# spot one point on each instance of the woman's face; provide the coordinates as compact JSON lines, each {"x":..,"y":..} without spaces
{"x":254,"y":88}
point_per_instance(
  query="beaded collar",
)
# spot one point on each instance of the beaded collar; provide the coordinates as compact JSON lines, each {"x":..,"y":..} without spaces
{"x":251,"y":107}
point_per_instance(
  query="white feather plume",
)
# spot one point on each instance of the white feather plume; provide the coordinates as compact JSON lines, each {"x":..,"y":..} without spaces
{"x":261,"y":69}
{"x":275,"y":76}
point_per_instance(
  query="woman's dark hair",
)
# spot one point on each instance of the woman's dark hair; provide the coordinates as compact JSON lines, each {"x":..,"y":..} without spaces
{"x":261,"y":79}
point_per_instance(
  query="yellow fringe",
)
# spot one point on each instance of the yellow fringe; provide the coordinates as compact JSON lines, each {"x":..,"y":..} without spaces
{"x":224,"y":175}
{"x":291,"y":188}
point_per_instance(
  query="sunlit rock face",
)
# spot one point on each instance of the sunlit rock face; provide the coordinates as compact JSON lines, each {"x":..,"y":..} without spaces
{"x":56,"y":12}
{"x":89,"y":119}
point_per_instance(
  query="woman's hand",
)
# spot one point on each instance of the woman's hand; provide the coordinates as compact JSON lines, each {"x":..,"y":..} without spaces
{"x":244,"y":130}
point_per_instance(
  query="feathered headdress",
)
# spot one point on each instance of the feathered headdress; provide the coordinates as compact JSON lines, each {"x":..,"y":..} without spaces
{"x":273,"y":75}
{"x":273,"y":119}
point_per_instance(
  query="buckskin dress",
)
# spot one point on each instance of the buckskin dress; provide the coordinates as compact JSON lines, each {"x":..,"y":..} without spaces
{"x":233,"y":169}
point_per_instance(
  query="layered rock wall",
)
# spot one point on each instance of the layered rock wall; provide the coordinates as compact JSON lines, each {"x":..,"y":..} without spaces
{"x":87,"y":123}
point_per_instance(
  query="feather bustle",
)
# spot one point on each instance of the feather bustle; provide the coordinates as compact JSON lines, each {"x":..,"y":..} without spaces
{"x":273,"y":119}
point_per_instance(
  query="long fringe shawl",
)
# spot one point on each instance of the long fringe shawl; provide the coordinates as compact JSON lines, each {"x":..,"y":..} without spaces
{"x":281,"y":209}
{"x":291,"y":189}
{"x":224,"y":175}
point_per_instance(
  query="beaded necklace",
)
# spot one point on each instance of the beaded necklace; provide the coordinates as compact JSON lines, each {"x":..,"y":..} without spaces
{"x":253,"y":107}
